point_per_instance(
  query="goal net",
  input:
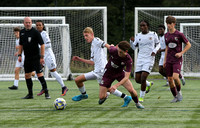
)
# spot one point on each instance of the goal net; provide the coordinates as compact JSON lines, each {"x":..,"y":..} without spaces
{"x":192,"y":57}
{"x":157,"y":16}
{"x":77,"y":17}
{"x":61,"y":46}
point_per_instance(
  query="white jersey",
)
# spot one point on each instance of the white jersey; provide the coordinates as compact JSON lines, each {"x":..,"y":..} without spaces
{"x":49,"y":56}
{"x":98,"y":55}
{"x":19,"y":64}
{"x":162,"y":44}
{"x":147,"y":44}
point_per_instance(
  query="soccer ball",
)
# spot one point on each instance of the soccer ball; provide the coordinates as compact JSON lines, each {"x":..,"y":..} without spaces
{"x":60,"y":104}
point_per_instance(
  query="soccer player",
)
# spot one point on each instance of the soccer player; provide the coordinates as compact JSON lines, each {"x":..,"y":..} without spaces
{"x":148,"y":44}
{"x":49,"y":57}
{"x":161,"y":32}
{"x":173,"y":57}
{"x":30,"y":38}
{"x":114,"y":70}
{"x":18,"y":64}
{"x":99,"y":60}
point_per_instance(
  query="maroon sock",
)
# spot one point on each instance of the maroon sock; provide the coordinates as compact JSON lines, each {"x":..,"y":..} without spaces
{"x":135,"y":99}
{"x":178,"y":87}
{"x":174,"y":92}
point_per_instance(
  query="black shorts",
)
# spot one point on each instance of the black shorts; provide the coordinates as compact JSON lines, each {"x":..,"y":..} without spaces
{"x":31,"y":65}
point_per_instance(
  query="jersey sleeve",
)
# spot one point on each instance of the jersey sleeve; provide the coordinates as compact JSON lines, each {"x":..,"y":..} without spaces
{"x":157,"y":43}
{"x":100,"y":43}
{"x":129,"y":65}
{"x":46,"y":39}
{"x":39,"y":38}
{"x":134,"y":43}
{"x":185,"y":40}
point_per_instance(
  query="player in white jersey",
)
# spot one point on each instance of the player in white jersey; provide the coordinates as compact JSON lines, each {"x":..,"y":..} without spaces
{"x":148,"y":44}
{"x":99,"y":60}
{"x":49,"y":57}
{"x":18,"y":64}
{"x":161,"y":32}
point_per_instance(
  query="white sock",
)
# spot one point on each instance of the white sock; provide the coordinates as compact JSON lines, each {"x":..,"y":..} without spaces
{"x":16,"y":82}
{"x":147,"y":83}
{"x":58,"y":78}
{"x":142,"y":93}
{"x":118,"y":93}
{"x":82,"y":89}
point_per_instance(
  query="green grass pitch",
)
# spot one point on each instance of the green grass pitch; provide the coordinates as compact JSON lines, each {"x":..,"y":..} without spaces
{"x":158,"y":113}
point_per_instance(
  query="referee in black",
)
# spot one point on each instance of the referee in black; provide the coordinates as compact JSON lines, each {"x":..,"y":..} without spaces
{"x":30,"y":39}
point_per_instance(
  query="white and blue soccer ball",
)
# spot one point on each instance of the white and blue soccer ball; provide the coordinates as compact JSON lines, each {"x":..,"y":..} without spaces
{"x":60,"y":104}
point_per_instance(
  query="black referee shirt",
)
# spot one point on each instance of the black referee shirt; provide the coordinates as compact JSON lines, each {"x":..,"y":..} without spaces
{"x":31,"y":40}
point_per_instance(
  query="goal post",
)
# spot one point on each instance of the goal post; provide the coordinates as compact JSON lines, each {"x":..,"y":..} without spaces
{"x":78,"y":18}
{"x":61,"y":46}
{"x":157,"y":15}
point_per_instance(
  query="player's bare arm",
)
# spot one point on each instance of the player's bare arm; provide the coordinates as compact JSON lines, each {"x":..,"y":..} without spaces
{"x":42,"y":48}
{"x":164,"y":63}
{"x":187,"y":47}
{"x":76,"y":58}
{"x":20,"y":53}
{"x":114,"y":87}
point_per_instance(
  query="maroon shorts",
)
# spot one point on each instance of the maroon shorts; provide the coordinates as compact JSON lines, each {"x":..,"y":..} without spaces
{"x":108,"y":78}
{"x":173,"y":68}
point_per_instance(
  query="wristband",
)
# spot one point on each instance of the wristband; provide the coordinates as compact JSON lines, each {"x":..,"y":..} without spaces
{"x":19,"y":55}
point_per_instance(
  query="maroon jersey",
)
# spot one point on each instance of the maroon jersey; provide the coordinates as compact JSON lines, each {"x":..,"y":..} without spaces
{"x":116,"y":63}
{"x":174,"y":42}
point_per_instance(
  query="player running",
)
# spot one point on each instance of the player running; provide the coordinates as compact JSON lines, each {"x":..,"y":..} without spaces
{"x":114,"y":70}
{"x":99,"y":60}
{"x":49,"y":57}
{"x":173,"y":57}
{"x":148,"y":44}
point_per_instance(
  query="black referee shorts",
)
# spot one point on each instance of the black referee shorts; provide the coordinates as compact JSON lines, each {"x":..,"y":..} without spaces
{"x":31,"y":65}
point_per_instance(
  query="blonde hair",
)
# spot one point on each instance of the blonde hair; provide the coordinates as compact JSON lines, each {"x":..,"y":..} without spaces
{"x":88,"y":30}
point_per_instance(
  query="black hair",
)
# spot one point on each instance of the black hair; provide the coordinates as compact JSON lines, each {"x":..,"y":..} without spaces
{"x":44,"y":28}
{"x":161,"y":26}
{"x":145,"y":22}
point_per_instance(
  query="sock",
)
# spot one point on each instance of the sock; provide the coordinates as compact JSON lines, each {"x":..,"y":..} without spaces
{"x":16,"y":82}
{"x":43,"y":83}
{"x":178,"y":87}
{"x":29,"y":84}
{"x":180,"y":76}
{"x":147,"y":83}
{"x":58,"y":78}
{"x":173,"y":90}
{"x":142,"y":93}
{"x":135,"y":99}
{"x":82,"y":90}
{"x":119,"y":94}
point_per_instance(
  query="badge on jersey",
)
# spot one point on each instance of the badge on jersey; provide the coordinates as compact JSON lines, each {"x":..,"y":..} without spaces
{"x":176,"y":38}
{"x":150,"y":38}
{"x":29,"y":39}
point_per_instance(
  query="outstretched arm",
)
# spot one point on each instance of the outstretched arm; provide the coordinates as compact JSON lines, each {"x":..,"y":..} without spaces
{"x":187,"y":47}
{"x":76,"y":58}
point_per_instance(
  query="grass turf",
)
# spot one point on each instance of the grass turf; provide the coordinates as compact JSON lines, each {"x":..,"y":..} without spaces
{"x":158,"y":112}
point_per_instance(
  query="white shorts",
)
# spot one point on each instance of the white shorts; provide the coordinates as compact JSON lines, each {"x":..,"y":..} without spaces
{"x":94,"y":76}
{"x":20,"y":64}
{"x":161,"y":61}
{"x":145,"y":67}
{"x":50,"y":61}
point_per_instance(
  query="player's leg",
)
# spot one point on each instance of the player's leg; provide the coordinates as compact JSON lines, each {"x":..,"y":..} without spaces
{"x":29,"y":84}
{"x":176,"y":72}
{"x":144,"y":76}
{"x":18,"y":67}
{"x":80,"y":84}
{"x":16,"y":81}
{"x":128,"y":85}
{"x":39,"y":71}
{"x":182,"y":79}
{"x":103,"y":94}
{"x":163,"y":73}
{"x":55,"y":74}
{"x":169,"y":73}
